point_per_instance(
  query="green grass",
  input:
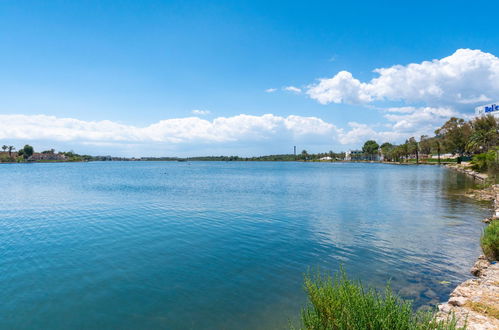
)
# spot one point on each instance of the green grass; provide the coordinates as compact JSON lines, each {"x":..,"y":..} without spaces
{"x":490,"y":240}
{"x":340,"y":303}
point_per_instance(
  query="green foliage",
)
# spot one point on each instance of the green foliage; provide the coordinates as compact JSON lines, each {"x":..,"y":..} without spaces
{"x":485,"y":134}
{"x":490,"y":240}
{"x":455,"y":134}
{"x":27,"y":151}
{"x":486,"y":162}
{"x":5,"y":158}
{"x":340,"y":303}
{"x":370,"y":147}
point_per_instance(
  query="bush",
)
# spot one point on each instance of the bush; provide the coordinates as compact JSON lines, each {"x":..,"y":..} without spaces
{"x":486,"y":162}
{"x":490,"y":240}
{"x":339,"y":303}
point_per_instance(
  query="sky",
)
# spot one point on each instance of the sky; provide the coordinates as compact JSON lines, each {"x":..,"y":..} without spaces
{"x":247,"y":78}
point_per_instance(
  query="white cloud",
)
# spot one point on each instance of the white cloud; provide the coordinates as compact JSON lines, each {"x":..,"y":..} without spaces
{"x":270,"y":90}
{"x":292,"y":89}
{"x":466,"y":77}
{"x":359,"y":133}
{"x":422,"y":120}
{"x":342,"y":88}
{"x":201,"y":112}
{"x":403,"y":122}
{"x":178,"y":130}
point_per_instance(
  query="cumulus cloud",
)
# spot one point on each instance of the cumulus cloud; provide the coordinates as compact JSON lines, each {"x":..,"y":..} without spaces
{"x":432,"y":90}
{"x":178,"y":130}
{"x":201,"y":112}
{"x":421,"y":120}
{"x":292,"y":89}
{"x":465,"y":77}
{"x":359,"y":133}
{"x":403,"y":122}
{"x":270,"y":90}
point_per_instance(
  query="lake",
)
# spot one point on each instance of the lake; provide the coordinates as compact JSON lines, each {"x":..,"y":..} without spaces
{"x":221,"y":245}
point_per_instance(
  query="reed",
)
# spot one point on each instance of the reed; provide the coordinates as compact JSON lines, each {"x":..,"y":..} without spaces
{"x":490,"y":240}
{"x":340,"y":303}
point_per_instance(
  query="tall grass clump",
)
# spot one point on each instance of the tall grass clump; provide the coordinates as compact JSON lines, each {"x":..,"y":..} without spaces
{"x":490,"y":240}
{"x":340,"y":303}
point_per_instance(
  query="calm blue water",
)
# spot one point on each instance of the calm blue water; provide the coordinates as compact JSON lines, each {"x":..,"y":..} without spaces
{"x":213,"y":245}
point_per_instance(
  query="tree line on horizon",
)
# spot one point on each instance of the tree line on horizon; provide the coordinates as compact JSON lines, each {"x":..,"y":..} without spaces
{"x":476,"y":140}
{"x":26,"y":154}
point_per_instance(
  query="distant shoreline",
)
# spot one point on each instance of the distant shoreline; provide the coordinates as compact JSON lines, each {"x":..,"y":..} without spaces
{"x":182,"y":160}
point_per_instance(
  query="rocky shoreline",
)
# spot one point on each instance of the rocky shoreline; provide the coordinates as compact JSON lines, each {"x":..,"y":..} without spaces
{"x":475,"y":302}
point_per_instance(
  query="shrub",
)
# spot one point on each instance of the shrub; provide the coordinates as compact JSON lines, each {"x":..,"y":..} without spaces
{"x":4,"y":158}
{"x":340,"y":303}
{"x":487,"y":161}
{"x":490,"y":240}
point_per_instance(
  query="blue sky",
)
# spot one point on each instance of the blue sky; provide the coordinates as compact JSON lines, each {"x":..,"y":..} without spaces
{"x":124,"y":77}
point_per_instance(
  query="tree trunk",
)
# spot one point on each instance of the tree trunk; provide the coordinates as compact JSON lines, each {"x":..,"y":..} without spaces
{"x":438,"y":152}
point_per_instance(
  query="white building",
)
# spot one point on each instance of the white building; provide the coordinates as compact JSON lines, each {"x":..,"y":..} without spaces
{"x":488,"y":109}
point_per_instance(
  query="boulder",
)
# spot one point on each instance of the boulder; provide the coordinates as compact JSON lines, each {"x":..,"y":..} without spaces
{"x":480,"y":265}
{"x":458,"y":301}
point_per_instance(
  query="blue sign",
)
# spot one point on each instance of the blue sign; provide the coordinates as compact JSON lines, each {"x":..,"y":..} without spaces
{"x":491,"y":108}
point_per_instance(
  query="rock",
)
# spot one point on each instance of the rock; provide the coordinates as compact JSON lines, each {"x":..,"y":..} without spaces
{"x":475,"y":301}
{"x":445,"y":308}
{"x":480,"y":265}
{"x":458,"y":301}
{"x":487,"y":220}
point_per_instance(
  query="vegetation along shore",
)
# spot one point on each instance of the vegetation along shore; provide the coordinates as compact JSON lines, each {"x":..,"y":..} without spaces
{"x":340,"y":303}
{"x":457,"y":140}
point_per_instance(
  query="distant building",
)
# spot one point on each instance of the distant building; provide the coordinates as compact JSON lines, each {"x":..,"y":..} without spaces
{"x":381,"y":156}
{"x":354,"y":155}
{"x":37,"y":156}
{"x":488,"y":109}
{"x":450,"y":156}
{"x":360,"y":155}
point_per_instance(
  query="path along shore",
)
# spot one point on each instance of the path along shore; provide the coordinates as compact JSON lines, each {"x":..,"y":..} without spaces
{"x":476,"y":301}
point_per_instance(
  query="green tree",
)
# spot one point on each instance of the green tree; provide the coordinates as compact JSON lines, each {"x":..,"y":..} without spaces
{"x":304,"y":155}
{"x":27,"y":151}
{"x":11,"y":148}
{"x":387,"y":150}
{"x":425,"y":145}
{"x":455,"y":134}
{"x":413,"y":148}
{"x":484,"y":134}
{"x":403,"y":150}
{"x":436,"y":146}
{"x":4,"y":147}
{"x":370,"y":148}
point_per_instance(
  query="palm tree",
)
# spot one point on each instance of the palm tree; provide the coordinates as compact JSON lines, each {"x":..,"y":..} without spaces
{"x":11,"y":148}
{"x":4,"y":147}
{"x":304,"y":155}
